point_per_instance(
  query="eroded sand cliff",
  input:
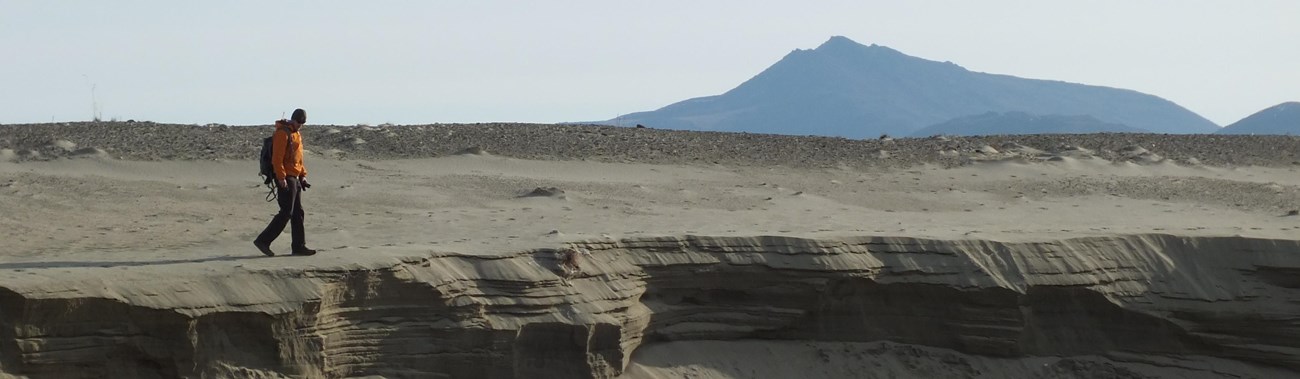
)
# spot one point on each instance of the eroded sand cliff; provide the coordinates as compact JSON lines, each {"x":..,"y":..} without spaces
{"x":1133,"y":301}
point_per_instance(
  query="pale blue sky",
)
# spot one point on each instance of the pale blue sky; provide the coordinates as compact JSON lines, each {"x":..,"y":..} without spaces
{"x":246,"y":62}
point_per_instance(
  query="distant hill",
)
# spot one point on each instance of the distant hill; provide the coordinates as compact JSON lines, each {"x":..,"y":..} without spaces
{"x":843,"y":88}
{"x":1279,"y":119}
{"x":994,"y":123}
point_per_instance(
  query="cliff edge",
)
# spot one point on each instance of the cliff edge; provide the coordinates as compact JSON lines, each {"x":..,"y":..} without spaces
{"x":1184,"y":306}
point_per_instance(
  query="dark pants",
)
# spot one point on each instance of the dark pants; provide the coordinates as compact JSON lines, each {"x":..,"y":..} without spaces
{"x":290,"y":199}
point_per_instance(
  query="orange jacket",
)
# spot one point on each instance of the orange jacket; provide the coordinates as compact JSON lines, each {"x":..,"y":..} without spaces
{"x":287,"y":162}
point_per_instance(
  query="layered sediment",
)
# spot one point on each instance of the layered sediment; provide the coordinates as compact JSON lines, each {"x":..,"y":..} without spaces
{"x":1163,"y":301}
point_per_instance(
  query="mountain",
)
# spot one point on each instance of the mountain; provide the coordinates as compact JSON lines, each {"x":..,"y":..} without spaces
{"x":993,"y":123}
{"x":1279,"y":119}
{"x":843,"y":88}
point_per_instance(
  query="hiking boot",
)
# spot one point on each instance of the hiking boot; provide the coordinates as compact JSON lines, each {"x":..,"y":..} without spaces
{"x":264,"y":247}
{"x":303,"y":251}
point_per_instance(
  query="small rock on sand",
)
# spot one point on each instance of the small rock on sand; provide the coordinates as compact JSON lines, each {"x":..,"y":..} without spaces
{"x":546,"y":192}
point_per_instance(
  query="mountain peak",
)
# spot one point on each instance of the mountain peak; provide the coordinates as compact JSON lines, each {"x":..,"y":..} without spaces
{"x":839,"y":42}
{"x":841,"y":47}
{"x":842,"y":43}
{"x":843,"y":88}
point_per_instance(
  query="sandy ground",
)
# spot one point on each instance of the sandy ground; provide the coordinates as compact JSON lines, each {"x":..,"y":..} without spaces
{"x":76,"y":212}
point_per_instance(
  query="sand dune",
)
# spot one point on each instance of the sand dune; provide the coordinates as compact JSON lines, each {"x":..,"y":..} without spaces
{"x":713,"y":255}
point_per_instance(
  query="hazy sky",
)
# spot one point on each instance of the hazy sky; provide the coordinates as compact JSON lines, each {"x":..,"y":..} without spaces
{"x":347,"y":62}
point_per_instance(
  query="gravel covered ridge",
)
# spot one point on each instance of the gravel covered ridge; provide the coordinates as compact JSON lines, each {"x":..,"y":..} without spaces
{"x":153,"y":141}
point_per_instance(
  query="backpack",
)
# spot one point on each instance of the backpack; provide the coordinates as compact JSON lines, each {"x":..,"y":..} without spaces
{"x":267,"y":171}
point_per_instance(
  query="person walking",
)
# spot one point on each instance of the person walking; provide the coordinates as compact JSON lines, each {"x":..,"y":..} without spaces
{"x":290,"y":181}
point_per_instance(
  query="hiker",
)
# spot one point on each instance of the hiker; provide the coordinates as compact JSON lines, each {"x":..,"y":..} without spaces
{"x":290,"y":181}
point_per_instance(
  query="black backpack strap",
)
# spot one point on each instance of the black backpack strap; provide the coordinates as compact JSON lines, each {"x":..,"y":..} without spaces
{"x":271,"y":184}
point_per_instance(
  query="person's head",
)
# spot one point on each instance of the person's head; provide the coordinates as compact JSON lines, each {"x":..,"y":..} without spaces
{"x":299,"y":116}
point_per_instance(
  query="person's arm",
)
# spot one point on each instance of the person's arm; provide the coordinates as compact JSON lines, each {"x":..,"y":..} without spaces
{"x":279,"y":147}
{"x":302,"y":148}
{"x":302,"y":177}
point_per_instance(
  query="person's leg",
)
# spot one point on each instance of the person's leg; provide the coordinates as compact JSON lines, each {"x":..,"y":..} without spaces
{"x":296,"y":219}
{"x":286,"y":198}
{"x":296,"y":228}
